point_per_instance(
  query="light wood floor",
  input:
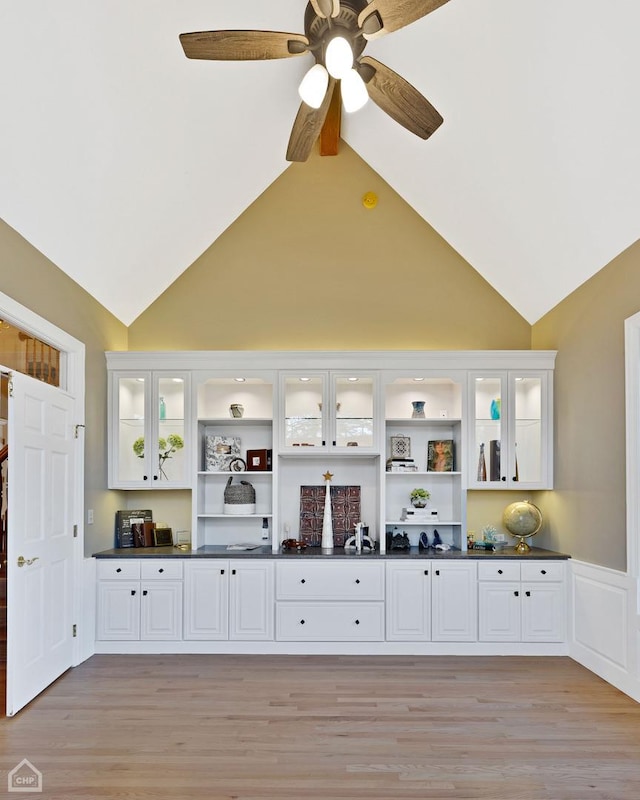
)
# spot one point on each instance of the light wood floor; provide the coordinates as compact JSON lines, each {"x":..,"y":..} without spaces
{"x":328,"y":728}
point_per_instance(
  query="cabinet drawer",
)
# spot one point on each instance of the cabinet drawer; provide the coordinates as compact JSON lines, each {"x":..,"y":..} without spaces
{"x":336,"y":581}
{"x":165,"y":569}
{"x":499,"y":571}
{"x":543,"y":571}
{"x":118,"y":569}
{"x":330,"y":622}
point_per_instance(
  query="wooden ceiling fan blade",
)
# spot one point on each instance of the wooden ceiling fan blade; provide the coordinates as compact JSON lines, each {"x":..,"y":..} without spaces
{"x":398,"y":98}
{"x":326,"y":8}
{"x":384,"y":16}
{"x":243,"y":45}
{"x":307,"y":126}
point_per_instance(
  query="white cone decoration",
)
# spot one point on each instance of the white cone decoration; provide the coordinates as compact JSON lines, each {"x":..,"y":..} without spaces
{"x":327,"y":523}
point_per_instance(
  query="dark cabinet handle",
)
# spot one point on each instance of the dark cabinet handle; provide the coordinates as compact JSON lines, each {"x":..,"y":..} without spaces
{"x":515,"y":479}
{"x":233,"y":572}
{"x":437,"y":572}
{"x":543,"y":571}
{"x":517,"y":594}
{"x":133,"y":591}
{"x":144,"y":478}
{"x":302,"y":622}
{"x":499,"y":572}
{"x":119,"y":569}
{"x":426,"y":572}
{"x":144,"y":593}
{"x":503,"y":478}
{"x":222,"y":572}
{"x":155,"y":477}
{"x":302,"y":580}
{"x":357,"y":622}
{"x":161,"y":569}
{"x":357,"y":580}
{"x":528,"y":594}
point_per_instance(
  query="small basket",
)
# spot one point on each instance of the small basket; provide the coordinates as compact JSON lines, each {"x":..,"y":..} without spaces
{"x":239,"y":498}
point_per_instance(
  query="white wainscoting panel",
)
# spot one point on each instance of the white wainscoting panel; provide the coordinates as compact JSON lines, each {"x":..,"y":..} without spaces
{"x":604,"y":628}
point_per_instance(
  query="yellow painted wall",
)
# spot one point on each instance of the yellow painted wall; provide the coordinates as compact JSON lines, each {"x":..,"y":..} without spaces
{"x":588,"y":505}
{"x":307,"y":267}
{"x":35,"y":282}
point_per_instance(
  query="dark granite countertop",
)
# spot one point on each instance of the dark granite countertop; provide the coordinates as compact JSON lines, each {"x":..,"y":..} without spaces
{"x":220,"y":551}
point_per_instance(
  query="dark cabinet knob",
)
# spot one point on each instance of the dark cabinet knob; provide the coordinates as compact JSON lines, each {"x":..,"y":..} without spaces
{"x":515,"y":479}
{"x":357,"y":622}
{"x":437,"y":572}
{"x":233,"y":572}
{"x":499,"y":572}
{"x":357,"y":580}
{"x":426,"y":572}
{"x":528,"y":594}
{"x":119,"y":569}
{"x":133,"y":591}
{"x":161,"y":569}
{"x":543,"y":571}
{"x":144,"y":478}
{"x":517,"y":594}
{"x":503,"y":478}
{"x":144,"y":593}
{"x":302,"y":622}
{"x":222,"y":572}
{"x":302,"y":580}
{"x":155,"y":477}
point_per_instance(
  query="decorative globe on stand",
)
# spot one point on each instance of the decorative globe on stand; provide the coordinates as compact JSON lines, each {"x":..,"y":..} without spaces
{"x":522,"y":519}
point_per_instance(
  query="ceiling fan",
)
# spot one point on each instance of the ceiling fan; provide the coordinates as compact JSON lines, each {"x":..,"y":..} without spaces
{"x":336,"y":34}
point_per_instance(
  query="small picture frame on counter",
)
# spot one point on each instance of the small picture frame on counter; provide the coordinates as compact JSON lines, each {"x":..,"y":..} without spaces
{"x":259,"y":460}
{"x":163,"y":537}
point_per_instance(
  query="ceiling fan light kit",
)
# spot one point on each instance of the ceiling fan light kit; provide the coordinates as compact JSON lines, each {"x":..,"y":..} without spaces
{"x":336,"y":34}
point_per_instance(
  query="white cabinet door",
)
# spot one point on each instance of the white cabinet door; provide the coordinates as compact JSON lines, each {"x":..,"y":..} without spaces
{"x":499,"y":611}
{"x":206,"y":600}
{"x":149,"y":438}
{"x":454,"y":598}
{"x":118,"y":612}
{"x":543,"y":612}
{"x":511,"y":430}
{"x":251,"y":600}
{"x":408,"y":606}
{"x":161,"y":610}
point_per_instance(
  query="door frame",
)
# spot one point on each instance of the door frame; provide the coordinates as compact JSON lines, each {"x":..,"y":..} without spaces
{"x":72,"y":380}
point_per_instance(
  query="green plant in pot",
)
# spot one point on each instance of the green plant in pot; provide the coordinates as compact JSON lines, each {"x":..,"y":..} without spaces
{"x":419,"y":498}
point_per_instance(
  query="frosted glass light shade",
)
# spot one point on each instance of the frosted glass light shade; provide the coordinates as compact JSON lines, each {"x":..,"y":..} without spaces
{"x":354,"y":91}
{"x":314,"y":85}
{"x":339,"y":57}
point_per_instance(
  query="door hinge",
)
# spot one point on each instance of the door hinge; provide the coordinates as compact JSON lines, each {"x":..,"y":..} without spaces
{"x":75,"y":630}
{"x":75,"y":531}
{"x":10,"y":385}
{"x":77,"y":430}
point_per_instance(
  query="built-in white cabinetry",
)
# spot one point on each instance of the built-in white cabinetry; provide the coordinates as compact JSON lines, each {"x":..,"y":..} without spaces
{"x":238,"y":447}
{"x":229,"y":600}
{"x":423,"y":419}
{"x":521,"y":601}
{"x":511,"y":430}
{"x":150,"y":429}
{"x":139,"y":600}
{"x":454,"y":601}
{"x":329,"y":412}
{"x":408,"y":605}
{"x":325,"y":602}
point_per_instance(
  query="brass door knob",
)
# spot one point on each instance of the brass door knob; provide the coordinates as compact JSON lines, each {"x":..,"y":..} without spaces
{"x":28,"y":561}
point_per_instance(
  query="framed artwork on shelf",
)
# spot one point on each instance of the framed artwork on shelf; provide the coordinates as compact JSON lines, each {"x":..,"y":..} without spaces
{"x":440,"y":455}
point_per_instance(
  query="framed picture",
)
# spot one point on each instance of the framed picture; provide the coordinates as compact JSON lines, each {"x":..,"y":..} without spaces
{"x":162,"y":537}
{"x":440,"y":455}
{"x":400,"y":446}
{"x":220,"y":451}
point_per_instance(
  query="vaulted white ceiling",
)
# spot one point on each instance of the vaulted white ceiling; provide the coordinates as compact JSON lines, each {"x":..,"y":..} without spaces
{"x":122,"y":161}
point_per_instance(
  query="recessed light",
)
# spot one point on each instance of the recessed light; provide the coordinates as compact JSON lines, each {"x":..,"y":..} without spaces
{"x":240,"y":380}
{"x":352,"y":379}
{"x":418,"y":379}
{"x":305,"y":379}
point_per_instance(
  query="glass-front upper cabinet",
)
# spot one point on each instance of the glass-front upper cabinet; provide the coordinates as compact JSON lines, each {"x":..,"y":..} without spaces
{"x":510,"y":430}
{"x":328,"y":411}
{"x":149,"y":447}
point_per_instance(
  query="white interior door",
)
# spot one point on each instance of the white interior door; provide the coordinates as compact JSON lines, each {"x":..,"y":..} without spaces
{"x":40,"y":552}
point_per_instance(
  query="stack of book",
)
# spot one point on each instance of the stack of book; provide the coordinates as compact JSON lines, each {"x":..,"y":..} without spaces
{"x":401,"y":465}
